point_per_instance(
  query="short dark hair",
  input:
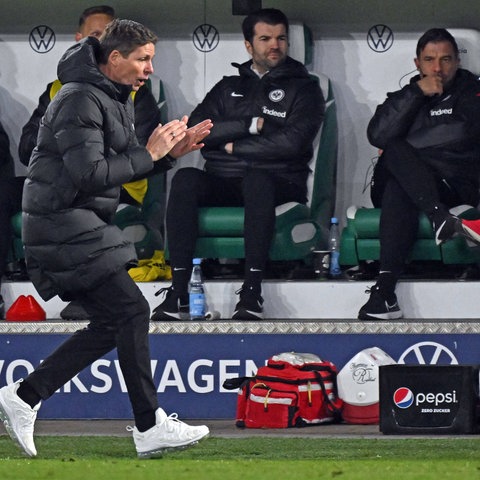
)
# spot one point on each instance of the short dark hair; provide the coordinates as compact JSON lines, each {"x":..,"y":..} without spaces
{"x":270,"y":16}
{"x":98,"y":9}
{"x":436,"y":35}
{"x":124,"y":36}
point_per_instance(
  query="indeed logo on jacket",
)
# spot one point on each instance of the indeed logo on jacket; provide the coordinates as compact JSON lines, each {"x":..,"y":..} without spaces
{"x":441,"y":111}
{"x":274,"y":113}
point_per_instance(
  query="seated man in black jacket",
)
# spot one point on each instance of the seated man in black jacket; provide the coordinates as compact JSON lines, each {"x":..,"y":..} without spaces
{"x":265,"y":120}
{"x":429,"y":132}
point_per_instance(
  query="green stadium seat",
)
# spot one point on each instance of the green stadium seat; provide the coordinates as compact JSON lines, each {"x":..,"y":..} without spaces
{"x":360,"y":239}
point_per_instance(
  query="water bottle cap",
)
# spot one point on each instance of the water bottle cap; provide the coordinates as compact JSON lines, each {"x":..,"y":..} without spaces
{"x":334,"y":220}
{"x":197,"y":261}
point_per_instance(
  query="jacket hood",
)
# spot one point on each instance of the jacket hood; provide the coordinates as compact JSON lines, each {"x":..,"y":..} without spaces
{"x":289,"y":68}
{"x":79,"y":64}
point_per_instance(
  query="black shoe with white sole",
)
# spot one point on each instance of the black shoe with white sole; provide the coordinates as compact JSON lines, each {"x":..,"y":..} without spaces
{"x":174,"y":306}
{"x":378,"y":308}
{"x":249,"y":307}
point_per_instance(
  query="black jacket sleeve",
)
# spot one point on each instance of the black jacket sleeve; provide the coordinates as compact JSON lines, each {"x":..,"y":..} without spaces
{"x":28,"y":139}
{"x":147,"y":114}
{"x":6,"y":161}
{"x":295,"y":135}
{"x":394,"y":117}
{"x":228,"y":125}
{"x":281,"y":139}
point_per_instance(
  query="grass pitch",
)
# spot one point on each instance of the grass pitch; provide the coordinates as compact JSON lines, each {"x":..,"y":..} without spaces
{"x":259,"y":458}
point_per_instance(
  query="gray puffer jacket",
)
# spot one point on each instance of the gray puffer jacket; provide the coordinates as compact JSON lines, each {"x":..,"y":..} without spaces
{"x":86,"y":150}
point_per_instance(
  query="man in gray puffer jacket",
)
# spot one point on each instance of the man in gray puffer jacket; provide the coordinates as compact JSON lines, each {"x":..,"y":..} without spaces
{"x":86,"y":150}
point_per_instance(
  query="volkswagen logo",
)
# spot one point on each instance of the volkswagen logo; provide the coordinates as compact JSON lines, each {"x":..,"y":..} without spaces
{"x":380,"y":38}
{"x":206,"y":38}
{"x":42,"y":39}
{"x":428,"y":353}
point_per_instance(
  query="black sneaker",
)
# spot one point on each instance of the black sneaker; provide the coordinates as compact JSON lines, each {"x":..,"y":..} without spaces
{"x":173,"y":307}
{"x":74,"y":311}
{"x":447,"y":229}
{"x":2,"y":308}
{"x":377,"y":307}
{"x":249,"y":307}
{"x":453,"y":225}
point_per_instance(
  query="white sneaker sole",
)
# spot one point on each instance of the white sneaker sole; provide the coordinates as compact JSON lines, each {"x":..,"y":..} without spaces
{"x":382,"y":316}
{"x":11,"y":431}
{"x":170,"y":317}
{"x":247,"y":315}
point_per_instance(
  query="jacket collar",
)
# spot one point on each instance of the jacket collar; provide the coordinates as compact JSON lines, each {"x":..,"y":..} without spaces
{"x":80,"y":64}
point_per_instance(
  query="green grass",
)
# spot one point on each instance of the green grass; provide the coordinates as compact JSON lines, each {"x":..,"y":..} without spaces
{"x":259,"y":458}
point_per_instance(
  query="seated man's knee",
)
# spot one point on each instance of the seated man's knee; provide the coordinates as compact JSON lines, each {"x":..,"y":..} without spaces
{"x":258,"y":179}
{"x":397,"y":149}
{"x":187,"y":174}
{"x":187,"y":179}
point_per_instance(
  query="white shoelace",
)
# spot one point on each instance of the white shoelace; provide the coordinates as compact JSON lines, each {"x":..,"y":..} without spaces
{"x":172,"y":423}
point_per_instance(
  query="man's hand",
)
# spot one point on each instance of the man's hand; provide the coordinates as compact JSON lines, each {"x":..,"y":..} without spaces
{"x":194,"y":135}
{"x":229,"y":145}
{"x":431,"y":85}
{"x":165,"y":137}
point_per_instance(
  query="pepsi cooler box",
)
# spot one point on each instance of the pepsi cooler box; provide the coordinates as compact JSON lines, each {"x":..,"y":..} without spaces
{"x":429,"y":399}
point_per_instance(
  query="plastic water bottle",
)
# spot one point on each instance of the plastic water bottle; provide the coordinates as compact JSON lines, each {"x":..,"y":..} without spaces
{"x":334,"y":246}
{"x":196,"y":292}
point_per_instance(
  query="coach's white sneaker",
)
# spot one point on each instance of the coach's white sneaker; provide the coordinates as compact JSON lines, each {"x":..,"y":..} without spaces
{"x":18,"y":418}
{"x":168,"y":434}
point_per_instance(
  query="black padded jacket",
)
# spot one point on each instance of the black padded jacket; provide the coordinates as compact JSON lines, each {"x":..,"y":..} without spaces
{"x":290,"y":101}
{"x":444,"y":128}
{"x":86,"y":149}
{"x":147,"y":117}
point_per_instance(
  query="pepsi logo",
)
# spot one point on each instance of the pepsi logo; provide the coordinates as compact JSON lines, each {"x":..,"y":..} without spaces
{"x":403,"y":397}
